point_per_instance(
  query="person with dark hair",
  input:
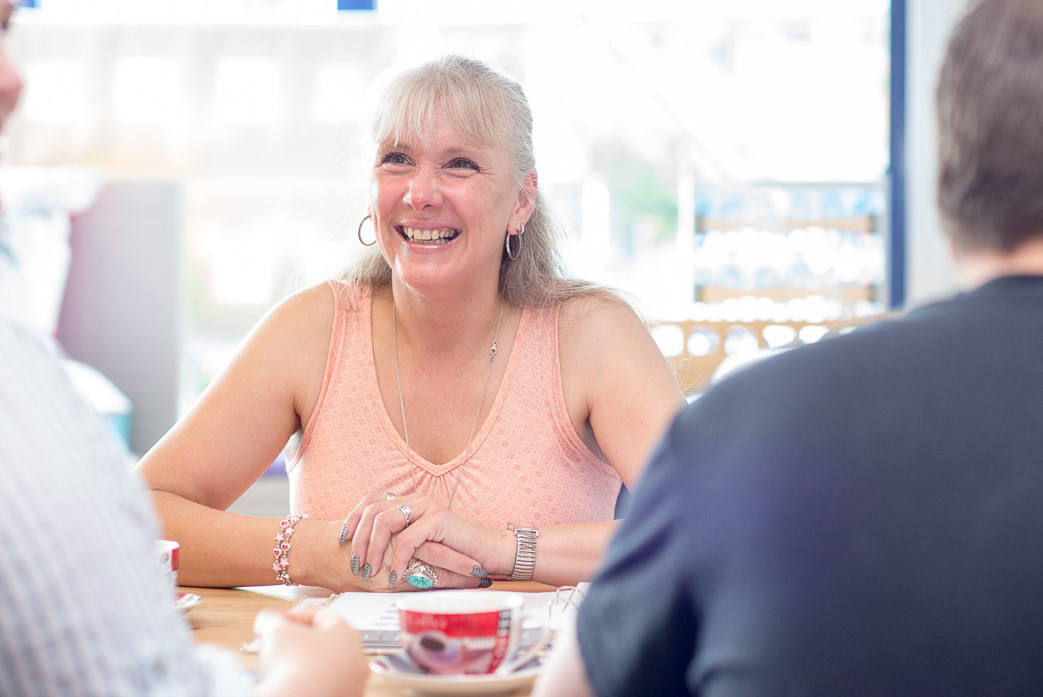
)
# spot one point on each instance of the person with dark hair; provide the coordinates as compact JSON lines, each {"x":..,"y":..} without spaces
{"x":862,"y":516}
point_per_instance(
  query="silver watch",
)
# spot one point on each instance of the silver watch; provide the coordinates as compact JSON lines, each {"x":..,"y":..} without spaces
{"x":525,"y":552}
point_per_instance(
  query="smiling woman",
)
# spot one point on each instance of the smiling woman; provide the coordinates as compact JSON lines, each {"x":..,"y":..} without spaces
{"x":453,"y":382}
{"x":443,"y":206}
{"x":453,"y":98}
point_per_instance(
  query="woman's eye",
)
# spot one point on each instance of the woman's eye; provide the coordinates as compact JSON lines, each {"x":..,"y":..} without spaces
{"x":394,"y":158}
{"x":461,"y":163}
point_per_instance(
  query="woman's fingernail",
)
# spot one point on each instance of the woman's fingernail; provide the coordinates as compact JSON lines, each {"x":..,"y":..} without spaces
{"x":392,"y":578}
{"x":478,"y":572}
{"x":366,"y":571}
{"x":485,"y":583}
{"x":354,"y":565}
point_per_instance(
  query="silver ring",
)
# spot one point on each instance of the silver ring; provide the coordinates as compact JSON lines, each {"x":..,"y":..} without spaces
{"x":420,"y":575}
{"x":388,"y":495}
{"x":407,"y":513}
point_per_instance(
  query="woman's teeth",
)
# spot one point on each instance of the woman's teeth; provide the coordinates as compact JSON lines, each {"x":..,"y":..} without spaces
{"x":429,"y":236}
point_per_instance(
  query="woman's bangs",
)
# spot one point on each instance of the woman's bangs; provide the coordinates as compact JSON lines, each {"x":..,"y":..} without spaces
{"x":408,"y":114}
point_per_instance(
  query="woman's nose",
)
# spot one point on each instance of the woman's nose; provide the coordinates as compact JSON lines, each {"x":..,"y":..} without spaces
{"x":423,"y":191}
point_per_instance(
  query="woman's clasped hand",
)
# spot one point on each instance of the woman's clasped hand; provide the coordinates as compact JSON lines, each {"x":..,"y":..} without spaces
{"x":390,"y":535}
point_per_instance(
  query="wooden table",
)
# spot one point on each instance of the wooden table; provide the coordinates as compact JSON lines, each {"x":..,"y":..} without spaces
{"x":225,"y":618}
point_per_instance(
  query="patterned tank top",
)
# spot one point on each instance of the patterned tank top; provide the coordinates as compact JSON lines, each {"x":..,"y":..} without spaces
{"x":525,"y":464}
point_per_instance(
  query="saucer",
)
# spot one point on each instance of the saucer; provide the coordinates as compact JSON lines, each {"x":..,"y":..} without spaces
{"x":187,"y":601}
{"x":428,"y":684}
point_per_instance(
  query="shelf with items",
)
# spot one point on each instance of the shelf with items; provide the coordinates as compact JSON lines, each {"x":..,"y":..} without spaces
{"x":861,"y":223}
{"x":784,"y":241}
{"x":847,"y":295}
{"x":839,"y":259}
{"x":774,"y":265}
{"x":696,"y":350}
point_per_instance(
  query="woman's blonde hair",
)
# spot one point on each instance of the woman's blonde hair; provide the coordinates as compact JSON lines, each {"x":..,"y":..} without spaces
{"x":486,"y":107}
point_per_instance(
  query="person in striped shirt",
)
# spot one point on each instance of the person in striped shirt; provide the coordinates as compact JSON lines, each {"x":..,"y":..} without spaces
{"x":84,"y":609}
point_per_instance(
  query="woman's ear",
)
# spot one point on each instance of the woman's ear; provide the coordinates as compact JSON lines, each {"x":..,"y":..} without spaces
{"x":526,"y":201}
{"x":532,"y":184}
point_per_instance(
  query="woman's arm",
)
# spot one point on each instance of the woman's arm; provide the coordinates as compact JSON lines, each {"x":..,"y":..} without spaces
{"x":620,"y":395}
{"x":619,"y":391}
{"x":230,"y":437}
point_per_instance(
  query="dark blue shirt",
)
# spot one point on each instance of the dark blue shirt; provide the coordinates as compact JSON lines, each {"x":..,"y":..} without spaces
{"x":863,"y":516}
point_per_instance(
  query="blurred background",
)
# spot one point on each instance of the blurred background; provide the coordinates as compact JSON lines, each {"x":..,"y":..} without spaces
{"x":752,"y":172}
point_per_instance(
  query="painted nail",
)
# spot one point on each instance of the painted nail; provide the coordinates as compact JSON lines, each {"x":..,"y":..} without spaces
{"x":354,"y":565}
{"x":366,"y":571}
{"x":478,"y":572}
{"x":485,"y":583}
{"x":393,"y":578}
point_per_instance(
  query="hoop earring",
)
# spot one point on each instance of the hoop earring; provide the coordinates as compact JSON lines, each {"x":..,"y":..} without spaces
{"x":507,"y":244}
{"x":361,"y":223}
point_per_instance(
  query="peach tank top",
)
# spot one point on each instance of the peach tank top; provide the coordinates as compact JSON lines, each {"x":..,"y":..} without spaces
{"x":526,"y":464}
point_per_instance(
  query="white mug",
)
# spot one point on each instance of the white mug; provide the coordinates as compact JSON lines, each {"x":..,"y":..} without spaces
{"x":169,"y":552}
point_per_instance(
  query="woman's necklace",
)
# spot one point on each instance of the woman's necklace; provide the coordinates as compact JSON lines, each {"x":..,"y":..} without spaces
{"x":402,"y":403}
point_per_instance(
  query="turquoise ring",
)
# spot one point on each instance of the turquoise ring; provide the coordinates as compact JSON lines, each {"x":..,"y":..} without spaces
{"x":420,"y":575}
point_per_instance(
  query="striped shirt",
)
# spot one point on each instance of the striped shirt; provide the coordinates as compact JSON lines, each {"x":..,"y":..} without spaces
{"x":84,"y":609}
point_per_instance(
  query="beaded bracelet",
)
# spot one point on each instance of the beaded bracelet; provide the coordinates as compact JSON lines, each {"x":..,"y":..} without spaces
{"x":282,"y":548}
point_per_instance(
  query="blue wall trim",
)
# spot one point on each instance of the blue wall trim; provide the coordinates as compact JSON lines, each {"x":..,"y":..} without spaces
{"x":896,"y":211}
{"x":356,"y":4}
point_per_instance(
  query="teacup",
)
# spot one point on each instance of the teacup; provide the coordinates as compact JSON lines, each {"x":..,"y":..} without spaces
{"x":169,"y":553}
{"x":470,"y":632}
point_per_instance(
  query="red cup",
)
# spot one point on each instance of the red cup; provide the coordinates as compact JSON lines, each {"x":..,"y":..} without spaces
{"x":470,"y":632}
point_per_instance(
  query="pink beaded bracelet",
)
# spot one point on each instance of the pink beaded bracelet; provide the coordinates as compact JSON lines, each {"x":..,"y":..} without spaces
{"x":282,"y":548}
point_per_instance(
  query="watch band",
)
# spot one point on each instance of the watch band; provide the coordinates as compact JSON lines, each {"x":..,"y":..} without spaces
{"x":525,"y":552}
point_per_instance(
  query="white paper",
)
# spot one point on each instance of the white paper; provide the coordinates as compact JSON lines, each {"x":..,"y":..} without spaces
{"x":289,"y":592}
{"x":367,"y":611}
{"x":377,"y":611}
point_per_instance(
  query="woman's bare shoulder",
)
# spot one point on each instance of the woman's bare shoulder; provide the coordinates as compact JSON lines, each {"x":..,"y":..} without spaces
{"x":298,"y":326}
{"x":314,"y":298}
{"x":592,"y":318}
{"x":311,"y":308}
